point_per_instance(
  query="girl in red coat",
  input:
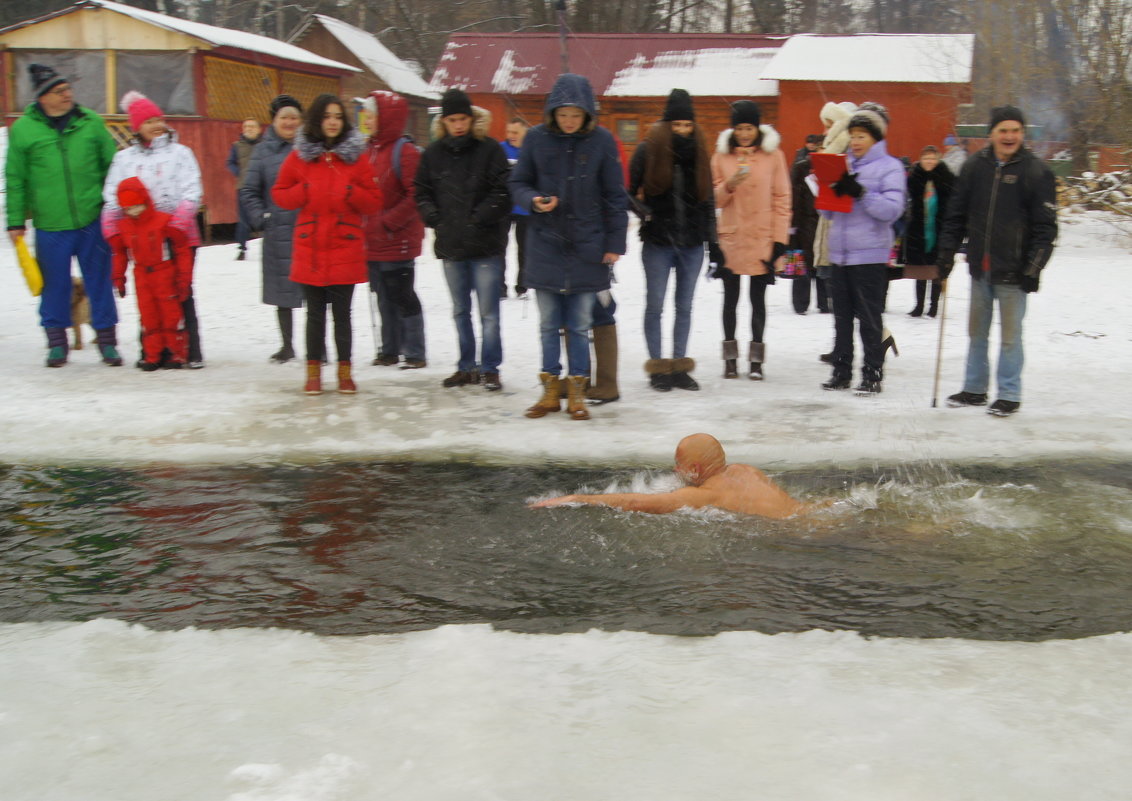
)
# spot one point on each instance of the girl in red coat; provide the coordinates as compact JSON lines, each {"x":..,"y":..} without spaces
{"x":326,"y":179}
{"x":163,"y":273}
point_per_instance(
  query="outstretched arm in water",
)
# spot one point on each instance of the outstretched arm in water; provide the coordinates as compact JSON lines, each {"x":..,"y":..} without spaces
{"x":686,"y":497}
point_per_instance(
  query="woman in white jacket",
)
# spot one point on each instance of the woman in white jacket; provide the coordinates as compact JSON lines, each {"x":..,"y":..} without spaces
{"x":170,"y":172}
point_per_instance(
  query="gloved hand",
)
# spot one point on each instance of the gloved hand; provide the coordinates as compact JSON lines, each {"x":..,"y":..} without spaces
{"x":944,"y":263}
{"x":1029,"y":283}
{"x":120,"y":285}
{"x":717,"y":263}
{"x":847,"y":185}
{"x":776,"y":253}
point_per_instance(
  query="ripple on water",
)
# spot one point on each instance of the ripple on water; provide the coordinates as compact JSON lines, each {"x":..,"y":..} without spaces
{"x":1027,"y":552}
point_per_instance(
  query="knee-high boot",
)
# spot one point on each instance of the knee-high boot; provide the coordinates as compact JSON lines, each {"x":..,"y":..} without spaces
{"x":604,"y":388}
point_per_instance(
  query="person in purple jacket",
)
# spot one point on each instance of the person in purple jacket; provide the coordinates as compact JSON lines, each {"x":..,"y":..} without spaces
{"x":860,"y":241}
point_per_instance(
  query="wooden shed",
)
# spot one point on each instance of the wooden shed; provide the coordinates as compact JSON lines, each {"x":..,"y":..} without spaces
{"x":631,"y":74}
{"x":206,"y":79}
{"x":380,"y":68}
{"x":921,"y":79}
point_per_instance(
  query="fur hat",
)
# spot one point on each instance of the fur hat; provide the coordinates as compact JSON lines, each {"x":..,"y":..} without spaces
{"x":455,"y":101}
{"x":879,"y":108}
{"x":284,"y":101}
{"x":745,"y":112}
{"x":679,"y":106}
{"x":44,"y":79}
{"x":140,"y":108}
{"x":1001,"y":114}
{"x":870,"y":121}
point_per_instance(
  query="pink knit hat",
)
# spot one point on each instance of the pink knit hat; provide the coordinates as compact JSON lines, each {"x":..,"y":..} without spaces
{"x":140,"y":108}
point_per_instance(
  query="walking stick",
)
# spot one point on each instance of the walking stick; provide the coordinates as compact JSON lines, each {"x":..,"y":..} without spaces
{"x":939,"y":347}
{"x":373,"y":322}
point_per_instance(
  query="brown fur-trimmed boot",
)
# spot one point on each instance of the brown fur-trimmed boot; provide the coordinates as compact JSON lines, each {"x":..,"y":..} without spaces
{"x":576,"y":401}
{"x":660,"y":374}
{"x":346,"y":383}
{"x":756,"y":354}
{"x":680,"y":378}
{"x":550,"y":401}
{"x":730,"y":358}
{"x":314,"y":377}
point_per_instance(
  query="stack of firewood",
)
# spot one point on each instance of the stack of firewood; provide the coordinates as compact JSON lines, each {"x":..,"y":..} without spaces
{"x":1110,"y":191}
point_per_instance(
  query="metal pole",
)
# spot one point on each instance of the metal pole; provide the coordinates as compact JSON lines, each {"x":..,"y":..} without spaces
{"x":560,"y":7}
{"x":939,"y":347}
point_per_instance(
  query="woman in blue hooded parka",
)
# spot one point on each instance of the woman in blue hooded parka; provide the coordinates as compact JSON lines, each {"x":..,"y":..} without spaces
{"x":569,"y":175}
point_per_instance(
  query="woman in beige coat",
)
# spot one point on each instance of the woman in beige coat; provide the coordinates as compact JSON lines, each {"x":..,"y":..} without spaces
{"x":753,"y":193}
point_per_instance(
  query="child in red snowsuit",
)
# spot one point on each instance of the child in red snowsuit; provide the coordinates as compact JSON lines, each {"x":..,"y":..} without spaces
{"x":163,"y":273}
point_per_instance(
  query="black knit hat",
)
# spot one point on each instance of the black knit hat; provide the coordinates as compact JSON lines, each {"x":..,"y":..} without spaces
{"x":44,"y":79}
{"x":679,"y":106}
{"x":455,"y":101}
{"x":284,"y":101}
{"x":871,"y":121}
{"x":745,"y":112}
{"x":1002,"y":113}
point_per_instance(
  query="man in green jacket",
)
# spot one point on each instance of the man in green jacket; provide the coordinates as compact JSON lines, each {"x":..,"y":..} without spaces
{"x":58,"y":157}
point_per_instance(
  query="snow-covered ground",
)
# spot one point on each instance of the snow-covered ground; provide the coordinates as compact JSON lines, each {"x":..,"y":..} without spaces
{"x":103,"y":711}
{"x":241,"y":407}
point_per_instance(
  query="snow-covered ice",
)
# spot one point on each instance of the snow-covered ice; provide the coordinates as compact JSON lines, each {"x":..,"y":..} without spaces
{"x":241,"y":407}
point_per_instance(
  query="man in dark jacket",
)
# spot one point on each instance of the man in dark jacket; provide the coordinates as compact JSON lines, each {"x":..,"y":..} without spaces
{"x":570,"y":175}
{"x":1005,"y":205}
{"x":58,"y":157}
{"x":461,"y":191}
{"x":238,"y":157}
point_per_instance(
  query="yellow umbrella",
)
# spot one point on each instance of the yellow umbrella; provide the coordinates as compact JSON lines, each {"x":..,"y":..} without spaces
{"x":30,"y":267}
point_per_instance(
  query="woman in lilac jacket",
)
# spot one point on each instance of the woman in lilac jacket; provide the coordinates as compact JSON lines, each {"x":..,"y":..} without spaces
{"x":860,"y":241}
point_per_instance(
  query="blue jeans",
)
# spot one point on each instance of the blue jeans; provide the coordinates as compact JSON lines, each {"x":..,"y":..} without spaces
{"x":1011,"y":310}
{"x":574,"y":313}
{"x":485,"y":276}
{"x":54,"y":251}
{"x":659,"y":261}
{"x":402,"y":320}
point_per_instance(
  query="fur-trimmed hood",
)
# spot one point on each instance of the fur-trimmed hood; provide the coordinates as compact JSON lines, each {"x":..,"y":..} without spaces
{"x":349,"y":149}
{"x":571,"y":90}
{"x":837,"y":116}
{"x":481,"y":124}
{"x":769,"y":143}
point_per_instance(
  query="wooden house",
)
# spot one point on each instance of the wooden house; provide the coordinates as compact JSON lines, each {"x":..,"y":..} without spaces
{"x":206,"y":79}
{"x":631,"y":74}
{"x":379,"y":68}
{"x":922,"y":79}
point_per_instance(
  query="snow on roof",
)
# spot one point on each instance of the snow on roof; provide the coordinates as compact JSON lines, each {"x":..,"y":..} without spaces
{"x":903,"y":58}
{"x":223,"y":37}
{"x":720,"y":71}
{"x":378,"y":58}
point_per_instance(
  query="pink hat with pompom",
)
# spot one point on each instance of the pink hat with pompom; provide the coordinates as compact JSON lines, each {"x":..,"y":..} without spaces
{"x":140,"y":108}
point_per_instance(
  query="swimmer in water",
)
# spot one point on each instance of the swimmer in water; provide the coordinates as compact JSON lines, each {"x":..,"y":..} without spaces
{"x":701,"y":462}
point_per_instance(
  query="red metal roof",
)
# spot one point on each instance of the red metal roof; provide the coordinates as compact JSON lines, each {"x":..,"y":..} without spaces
{"x":528,"y":63}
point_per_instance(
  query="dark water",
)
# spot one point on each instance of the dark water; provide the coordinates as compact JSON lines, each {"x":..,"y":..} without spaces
{"x":1028,"y":552}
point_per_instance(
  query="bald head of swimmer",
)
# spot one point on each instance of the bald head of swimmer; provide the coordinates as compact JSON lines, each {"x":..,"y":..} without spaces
{"x":699,"y":457}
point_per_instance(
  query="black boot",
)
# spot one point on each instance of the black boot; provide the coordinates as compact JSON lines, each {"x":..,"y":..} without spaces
{"x":680,"y":369}
{"x":660,"y":374}
{"x":286,"y":329}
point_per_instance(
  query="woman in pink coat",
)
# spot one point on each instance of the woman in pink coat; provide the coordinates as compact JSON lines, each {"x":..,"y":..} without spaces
{"x":325,"y":178}
{"x":753,"y":193}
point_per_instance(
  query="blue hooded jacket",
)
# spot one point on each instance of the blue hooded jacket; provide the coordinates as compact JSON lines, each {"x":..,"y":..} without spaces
{"x":583,"y":170}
